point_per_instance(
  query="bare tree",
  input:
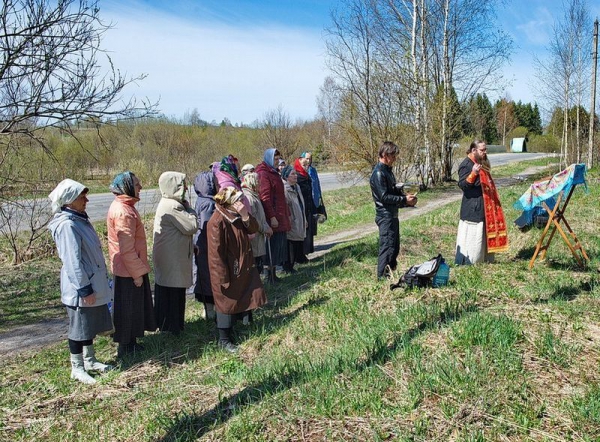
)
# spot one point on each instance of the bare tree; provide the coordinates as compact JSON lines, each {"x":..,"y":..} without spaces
{"x":505,"y":118}
{"x":328,"y":104}
{"x":468,"y":50}
{"x":279,"y":132}
{"x":372,"y":105}
{"x":590,"y":157}
{"x":54,"y":76}
{"x":392,"y":57}
{"x":50,"y":71}
{"x":559,"y":81}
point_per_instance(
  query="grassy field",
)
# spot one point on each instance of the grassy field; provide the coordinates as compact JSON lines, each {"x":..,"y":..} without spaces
{"x":502,"y":353}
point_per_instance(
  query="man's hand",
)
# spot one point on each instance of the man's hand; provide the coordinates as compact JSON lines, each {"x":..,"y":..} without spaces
{"x":476,"y":168}
{"x":411,"y":200}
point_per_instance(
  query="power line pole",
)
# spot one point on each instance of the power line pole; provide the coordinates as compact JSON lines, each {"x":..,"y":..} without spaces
{"x":593,"y":105}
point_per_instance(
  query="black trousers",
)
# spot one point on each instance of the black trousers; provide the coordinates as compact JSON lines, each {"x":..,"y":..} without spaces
{"x":389,"y":243}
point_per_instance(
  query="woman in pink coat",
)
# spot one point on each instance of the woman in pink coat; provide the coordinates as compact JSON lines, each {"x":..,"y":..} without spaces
{"x":133,"y":309}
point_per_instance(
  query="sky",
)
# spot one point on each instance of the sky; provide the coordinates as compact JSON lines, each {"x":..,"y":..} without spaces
{"x":238,"y":59}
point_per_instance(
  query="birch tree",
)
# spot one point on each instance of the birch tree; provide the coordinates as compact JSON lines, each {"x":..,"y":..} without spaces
{"x":558,"y":75}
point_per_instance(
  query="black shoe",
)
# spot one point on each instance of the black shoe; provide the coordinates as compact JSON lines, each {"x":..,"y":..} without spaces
{"x":229,"y":346}
{"x":124,"y":349}
{"x":127,"y":349}
{"x":273,"y":279}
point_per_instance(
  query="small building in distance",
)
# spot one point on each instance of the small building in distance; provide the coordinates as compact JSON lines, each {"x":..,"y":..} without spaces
{"x":518,"y":145}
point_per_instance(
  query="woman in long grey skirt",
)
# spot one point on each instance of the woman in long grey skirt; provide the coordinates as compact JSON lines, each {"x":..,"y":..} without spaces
{"x":83,"y":277}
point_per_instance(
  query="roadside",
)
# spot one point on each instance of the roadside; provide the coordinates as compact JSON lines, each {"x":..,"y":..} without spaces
{"x":31,"y":337}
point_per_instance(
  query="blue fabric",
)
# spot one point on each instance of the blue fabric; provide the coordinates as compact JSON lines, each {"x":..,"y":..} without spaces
{"x":123,"y":184}
{"x":543,"y":190}
{"x":269,"y":158}
{"x":546,"y":191}
{"x":316,"y":186}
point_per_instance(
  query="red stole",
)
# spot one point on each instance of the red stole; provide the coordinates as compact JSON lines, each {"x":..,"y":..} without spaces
{"x":495,"y":225}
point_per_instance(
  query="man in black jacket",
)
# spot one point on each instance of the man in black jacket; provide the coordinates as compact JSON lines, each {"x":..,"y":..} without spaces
{"x":388,"y":197}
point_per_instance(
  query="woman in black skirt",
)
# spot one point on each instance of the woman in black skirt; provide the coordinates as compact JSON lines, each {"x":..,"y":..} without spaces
{"x":175,"y":224}
{"x":127,"y":248}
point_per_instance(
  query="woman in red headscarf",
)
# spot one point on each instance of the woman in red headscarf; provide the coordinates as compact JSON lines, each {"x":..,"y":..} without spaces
{"x":301,"y":166}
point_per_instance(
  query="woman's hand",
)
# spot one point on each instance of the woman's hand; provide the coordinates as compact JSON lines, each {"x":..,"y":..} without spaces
{"x":239,"y":207}
{"x":138,"y":281}
{"x":89,"y":299}
{"x":274,"y":222}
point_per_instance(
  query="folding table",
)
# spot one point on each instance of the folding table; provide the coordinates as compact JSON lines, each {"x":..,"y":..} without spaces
{"x":554,"y":195}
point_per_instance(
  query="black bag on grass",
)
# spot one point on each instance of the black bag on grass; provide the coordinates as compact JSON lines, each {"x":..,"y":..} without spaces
{"x":423,"y":275}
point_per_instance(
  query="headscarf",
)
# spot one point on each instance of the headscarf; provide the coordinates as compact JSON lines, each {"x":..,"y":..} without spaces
{"x":281,"y":162}
{"x":123,"y":184}
{"x":228,"y":165}
{"x":269,"y":157}
{"x":227,"y":196}
{"x":251,"y":181}
{"x":285,"y":173}
{"x":65,"y":193}
{"x":248,"y":168}
{"x":303,"y":154}
{"x":301,"y":170}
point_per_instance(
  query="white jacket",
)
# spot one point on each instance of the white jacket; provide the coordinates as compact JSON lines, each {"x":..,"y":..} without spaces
{"x":174,"y":229}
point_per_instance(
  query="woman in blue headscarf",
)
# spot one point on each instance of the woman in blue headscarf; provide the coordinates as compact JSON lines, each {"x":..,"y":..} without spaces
{"x":127,"y":249}
{"x":272,"y":196}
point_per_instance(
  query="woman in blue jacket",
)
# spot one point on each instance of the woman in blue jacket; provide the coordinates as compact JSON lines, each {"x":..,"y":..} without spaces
{"x":84,"y":286}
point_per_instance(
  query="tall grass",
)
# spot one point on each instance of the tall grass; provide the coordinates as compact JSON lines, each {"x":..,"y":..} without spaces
{"x":501,"y":353}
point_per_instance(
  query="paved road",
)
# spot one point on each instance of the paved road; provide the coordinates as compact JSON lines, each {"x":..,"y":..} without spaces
{"x":33,"y":336}
{"x":97,"y":208}
{"x":99,"y":203}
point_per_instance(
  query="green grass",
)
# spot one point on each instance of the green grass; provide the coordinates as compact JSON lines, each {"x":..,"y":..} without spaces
{"x":501,"y":353}
{"x":30,"y":293}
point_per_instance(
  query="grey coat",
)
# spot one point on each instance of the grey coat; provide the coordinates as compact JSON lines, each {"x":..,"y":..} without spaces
{"x":295,"y":203}
{"x":257,"y":211}
{"x":84,"y":270}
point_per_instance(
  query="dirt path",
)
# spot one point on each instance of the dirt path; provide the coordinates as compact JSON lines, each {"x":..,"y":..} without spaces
{"x":35,"y":336}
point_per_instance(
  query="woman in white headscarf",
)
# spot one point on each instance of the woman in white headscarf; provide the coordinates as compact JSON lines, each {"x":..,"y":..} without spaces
{"x":251,"y":188}
{"x":175,"y":224}
{"x":84,"y":286}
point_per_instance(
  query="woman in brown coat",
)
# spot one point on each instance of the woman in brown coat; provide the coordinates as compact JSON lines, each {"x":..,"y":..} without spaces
{"x":236,"y":284}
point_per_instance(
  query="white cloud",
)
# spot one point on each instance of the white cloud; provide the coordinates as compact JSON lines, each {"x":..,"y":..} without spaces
{"x":538,"y":30}
{"x":223,"y":71}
